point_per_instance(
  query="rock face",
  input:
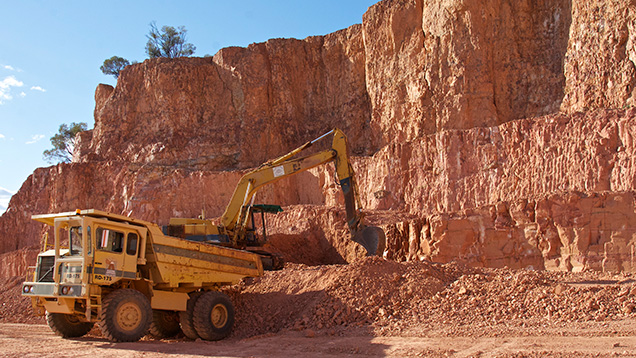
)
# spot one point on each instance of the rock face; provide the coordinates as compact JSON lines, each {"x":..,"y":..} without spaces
{"x":237,"y":109}
{"x":495,"y":132}
{"x":601,"y":55}
{"x":436,"y":65}
{"x":566,"y":232}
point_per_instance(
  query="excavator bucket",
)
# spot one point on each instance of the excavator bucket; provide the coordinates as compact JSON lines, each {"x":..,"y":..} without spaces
{"x":372,"y":238}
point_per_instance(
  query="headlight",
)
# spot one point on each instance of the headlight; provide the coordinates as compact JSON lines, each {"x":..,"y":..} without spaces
{"x":65,"y":290}
{"x":30,"y":289}
{"x":25,"y":289}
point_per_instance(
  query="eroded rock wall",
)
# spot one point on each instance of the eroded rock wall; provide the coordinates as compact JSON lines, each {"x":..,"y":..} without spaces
{"x":601,"y":54}
{"x":569,"y":231}
{"x":460,"y":169}
{"x":237,"y":109}
{"x":153,"y":193}
{"x":438,"y":65}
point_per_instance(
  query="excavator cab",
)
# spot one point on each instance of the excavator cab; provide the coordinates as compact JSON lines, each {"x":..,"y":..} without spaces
{"x":252,"y":238}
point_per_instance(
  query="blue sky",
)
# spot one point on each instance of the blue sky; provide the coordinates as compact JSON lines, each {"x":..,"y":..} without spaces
{"x":51,"y":51}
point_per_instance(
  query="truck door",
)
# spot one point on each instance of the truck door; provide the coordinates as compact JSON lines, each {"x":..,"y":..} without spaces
{"x":115,"y":255}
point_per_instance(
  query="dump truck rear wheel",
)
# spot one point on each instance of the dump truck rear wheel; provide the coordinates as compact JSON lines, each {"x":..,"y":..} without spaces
{"x":67,"y":325}
{"x":185,"y":317}
{"x":126,"y":315}
{"x":164,"y":324}
{"x":213,"y":316}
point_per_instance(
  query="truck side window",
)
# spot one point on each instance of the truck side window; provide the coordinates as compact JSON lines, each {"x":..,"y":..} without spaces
{"x":109,"y":240}
{"x":131,"y":244}
{"x":88,"y":241}
{"x":75,"y":240}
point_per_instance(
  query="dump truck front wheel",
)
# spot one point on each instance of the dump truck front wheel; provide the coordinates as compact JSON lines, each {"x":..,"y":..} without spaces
{"x":185,"y":317}
{"x":164,"y":324}
{"x":67,"y":325}
{"x":126,"y":315}
{"x":213,"y":316}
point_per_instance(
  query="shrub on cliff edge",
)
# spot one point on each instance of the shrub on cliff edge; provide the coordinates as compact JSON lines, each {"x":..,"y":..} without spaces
{"x":169,"y":42}
{"x":64,"y":143}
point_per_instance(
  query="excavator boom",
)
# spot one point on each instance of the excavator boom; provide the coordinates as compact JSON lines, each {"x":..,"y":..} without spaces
{"x":235,"y":218}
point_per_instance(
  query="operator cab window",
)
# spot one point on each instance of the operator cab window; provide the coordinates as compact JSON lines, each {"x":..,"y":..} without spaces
{"x":75,"y":240}
{"x":131,"y":247}
{"x":88,"y":241}
{"x":109,"y":240}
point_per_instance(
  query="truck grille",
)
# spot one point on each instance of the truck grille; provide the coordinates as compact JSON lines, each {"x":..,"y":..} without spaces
{"x":45,"y":272}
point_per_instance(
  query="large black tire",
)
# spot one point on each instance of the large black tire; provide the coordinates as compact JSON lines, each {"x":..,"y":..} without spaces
{"x":67,"y":325}
{"x":185,"y":317}
{"x":126,"y":315}
{"x":165,"y":324}
{"x":213,"y":316}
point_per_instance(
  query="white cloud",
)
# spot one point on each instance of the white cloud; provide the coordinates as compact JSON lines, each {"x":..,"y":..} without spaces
{"x":22,"y":94}
{"x":1,"y":136}
{"x":36,"y":138}
{"x":10,"y":81}
{"x":10,"y":68}
{"x":4,"y":191}
{"x":5,"y":88}
{"x":38,"y":88}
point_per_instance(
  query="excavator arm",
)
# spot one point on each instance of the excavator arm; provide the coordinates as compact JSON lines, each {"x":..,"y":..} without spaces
{"x":236,"y":217}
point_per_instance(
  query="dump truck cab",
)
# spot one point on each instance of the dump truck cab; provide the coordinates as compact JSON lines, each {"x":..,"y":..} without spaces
{"x":88,"y":252}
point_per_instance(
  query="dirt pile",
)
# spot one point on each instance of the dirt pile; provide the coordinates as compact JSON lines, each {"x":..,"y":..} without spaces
{"x":13,"y":307}
{"x":412,"y":298}
{"x":499,"y":296}
{"x":321,"y":297}
{"x":416,"y":297}
{"x":13,"y":268}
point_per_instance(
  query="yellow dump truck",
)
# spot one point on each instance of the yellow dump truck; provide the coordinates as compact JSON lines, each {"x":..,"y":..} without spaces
{"x":129,"y":277}
{"x":133,"y":277}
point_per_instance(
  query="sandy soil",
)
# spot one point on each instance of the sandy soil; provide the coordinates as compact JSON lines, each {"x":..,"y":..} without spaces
{"x":597,"y":340}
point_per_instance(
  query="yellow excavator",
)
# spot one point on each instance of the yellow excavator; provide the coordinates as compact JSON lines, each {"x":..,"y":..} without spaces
{"x":237,"y":223}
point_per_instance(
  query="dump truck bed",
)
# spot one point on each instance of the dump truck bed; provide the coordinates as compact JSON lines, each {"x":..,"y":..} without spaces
{"x":179,"y":263}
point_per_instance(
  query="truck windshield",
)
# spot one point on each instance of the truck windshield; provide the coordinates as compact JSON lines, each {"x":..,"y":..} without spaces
{"x":75,"y":240}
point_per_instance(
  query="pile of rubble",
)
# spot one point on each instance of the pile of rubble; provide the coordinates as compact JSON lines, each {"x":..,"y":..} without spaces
{"x":390,"y":298}
{"x":381,"y":297}
{"x":13,"y":307}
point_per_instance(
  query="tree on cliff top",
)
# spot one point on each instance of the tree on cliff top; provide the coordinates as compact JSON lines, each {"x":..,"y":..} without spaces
{"x":64,"y":143}
{"x":169,"y":42}
{"x":114,"y":65}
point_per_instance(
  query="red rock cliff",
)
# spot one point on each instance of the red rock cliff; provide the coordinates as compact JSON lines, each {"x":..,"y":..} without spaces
{"x":452,"y":111}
